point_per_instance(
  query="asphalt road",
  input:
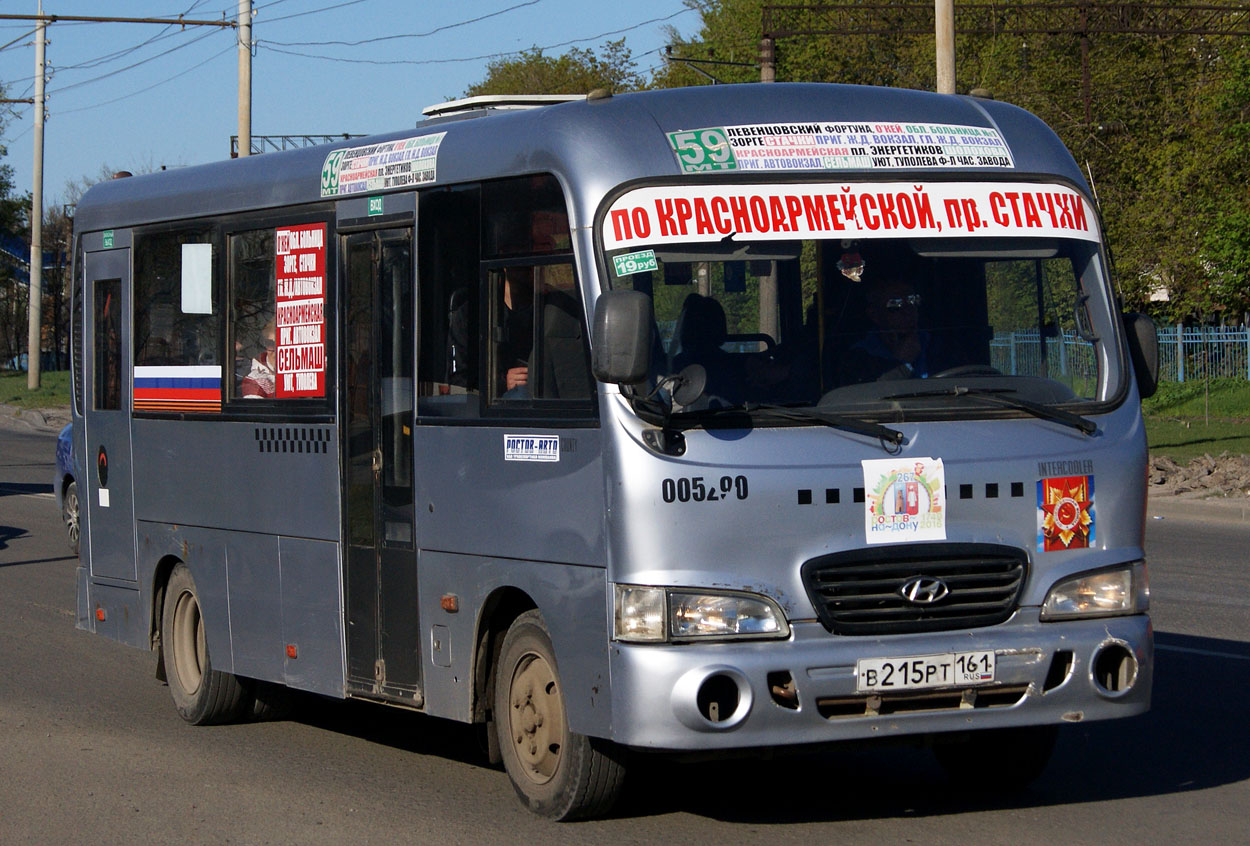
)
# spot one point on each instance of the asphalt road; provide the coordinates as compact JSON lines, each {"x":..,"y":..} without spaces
{"x":91,"y":750}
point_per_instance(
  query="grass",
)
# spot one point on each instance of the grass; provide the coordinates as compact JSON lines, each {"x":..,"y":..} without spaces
{"x":53,"y":389}
{"x":1177,"y":418}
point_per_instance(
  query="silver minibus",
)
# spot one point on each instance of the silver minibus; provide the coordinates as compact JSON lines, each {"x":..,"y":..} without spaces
{"x":709,"y":420}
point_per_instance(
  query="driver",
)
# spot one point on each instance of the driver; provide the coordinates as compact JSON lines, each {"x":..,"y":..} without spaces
{"x":894,"y":347}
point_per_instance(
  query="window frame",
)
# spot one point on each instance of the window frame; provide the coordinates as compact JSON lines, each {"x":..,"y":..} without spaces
{"x":555,"y":413}
{"x":221,"y":228}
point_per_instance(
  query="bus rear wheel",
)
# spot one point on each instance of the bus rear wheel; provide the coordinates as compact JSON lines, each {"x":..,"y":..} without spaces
{"x":556,"y":772}
{"x":202,"y":695}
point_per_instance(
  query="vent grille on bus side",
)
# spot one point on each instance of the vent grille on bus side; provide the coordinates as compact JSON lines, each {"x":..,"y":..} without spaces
{"x":862,"y":592}
{"x":292,"y":439}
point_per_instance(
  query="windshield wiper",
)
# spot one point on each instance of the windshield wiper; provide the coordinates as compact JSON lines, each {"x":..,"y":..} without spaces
{"x":837,"y":421}
{"x":994,"y":396}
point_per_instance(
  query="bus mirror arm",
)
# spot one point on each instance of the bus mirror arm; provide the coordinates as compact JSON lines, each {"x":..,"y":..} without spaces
{"x":622,"y":336}
{"x":1143,"y":348}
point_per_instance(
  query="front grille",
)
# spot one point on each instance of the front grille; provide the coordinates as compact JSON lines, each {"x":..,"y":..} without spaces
{"x":861,"y":592}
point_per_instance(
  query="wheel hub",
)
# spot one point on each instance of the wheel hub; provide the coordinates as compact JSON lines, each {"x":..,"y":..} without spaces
{"x":536,"y":718}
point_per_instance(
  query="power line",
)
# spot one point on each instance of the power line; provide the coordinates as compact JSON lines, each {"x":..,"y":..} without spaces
{"x":434,"y":31}
{"x":150,"y":87}
{"x":267,"y":45}
{"x":113,"y":73}
{"x":311,"y":11}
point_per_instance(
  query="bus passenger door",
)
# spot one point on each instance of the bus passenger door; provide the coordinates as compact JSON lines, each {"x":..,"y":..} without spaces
{"x":110,"y":508}
{"x":381,"y":579}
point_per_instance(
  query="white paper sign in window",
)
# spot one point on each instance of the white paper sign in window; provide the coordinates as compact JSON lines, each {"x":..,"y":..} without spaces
{"x":197,"y":278}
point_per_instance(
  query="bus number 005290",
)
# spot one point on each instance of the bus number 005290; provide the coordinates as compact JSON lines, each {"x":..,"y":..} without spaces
{"x":699,"y":490}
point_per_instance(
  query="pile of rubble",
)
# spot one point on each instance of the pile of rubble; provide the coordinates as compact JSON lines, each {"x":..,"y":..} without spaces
{"x":1206,"y":476}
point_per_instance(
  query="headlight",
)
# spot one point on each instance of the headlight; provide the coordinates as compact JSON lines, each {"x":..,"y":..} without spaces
{"x":649,"y":614}
{"x":1124,"y":590}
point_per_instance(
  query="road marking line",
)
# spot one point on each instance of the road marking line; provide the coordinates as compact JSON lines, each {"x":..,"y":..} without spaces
{"x":1208,"y":652}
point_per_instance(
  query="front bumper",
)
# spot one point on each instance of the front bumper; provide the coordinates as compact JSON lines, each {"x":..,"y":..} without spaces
{"x":802,"y":690}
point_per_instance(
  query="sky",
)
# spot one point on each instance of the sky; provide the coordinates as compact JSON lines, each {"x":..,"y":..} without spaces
{"x":142,"y":96}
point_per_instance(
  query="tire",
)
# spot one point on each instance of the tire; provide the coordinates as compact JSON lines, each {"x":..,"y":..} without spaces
{"x":268,"y":701}
{"x":202,"y":695}
{"x":556,"y":773}
{"x":69,"y":513}
{"x":998,"y":760}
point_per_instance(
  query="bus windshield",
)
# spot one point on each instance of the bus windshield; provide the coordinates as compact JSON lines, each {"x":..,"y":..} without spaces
{"x":880,"y":326}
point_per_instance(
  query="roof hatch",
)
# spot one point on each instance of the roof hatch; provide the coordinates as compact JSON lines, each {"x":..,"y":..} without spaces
{"x":498,"y":101}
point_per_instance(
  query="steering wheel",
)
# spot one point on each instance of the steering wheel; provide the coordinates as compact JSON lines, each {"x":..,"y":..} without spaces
{"x":968,"y":370}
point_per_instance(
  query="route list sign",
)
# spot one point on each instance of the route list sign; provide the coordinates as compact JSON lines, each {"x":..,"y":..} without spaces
{"x":854,"y":145}
{"x":300,"y":315}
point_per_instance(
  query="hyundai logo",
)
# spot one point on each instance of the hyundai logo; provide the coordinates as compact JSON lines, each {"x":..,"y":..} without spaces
{"x":924,"y":590}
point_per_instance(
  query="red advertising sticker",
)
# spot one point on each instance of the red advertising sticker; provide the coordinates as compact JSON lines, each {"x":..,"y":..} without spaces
{"x":300,"y":319}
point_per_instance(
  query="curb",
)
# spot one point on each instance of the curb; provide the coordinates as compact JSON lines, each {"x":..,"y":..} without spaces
{"x":1222,"y":509}
{"x":37,"y":418}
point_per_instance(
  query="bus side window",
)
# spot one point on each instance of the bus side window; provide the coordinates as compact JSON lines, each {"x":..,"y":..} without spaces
{"x":170,"y":331}
{"x":252,"y":303}
{"x":539,"y":348}
{"x":447,"y":365}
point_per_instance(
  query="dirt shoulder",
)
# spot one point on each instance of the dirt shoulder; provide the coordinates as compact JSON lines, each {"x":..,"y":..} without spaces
{"x":1207,"y":476}
{"x":44,"y":419}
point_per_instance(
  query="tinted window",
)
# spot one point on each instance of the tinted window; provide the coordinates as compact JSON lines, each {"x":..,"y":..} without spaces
{"x":108,"y":344}
{"x":177,"y":320}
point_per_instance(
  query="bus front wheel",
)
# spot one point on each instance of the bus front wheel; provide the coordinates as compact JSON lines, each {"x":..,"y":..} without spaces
{"x":202,"y":695}
{"x":556,"y":772}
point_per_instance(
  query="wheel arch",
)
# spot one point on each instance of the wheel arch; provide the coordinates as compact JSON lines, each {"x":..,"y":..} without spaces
{"x":499,"y":611}
{"x":160,"y":579}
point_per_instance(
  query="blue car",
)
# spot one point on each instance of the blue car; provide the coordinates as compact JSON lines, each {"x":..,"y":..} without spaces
{"x":65,"y":484}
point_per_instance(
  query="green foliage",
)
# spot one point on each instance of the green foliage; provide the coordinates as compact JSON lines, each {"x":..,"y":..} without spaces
{"x":1177,"y":415}
{"x":578,"y":71}
{"x":53,"y":390}
{"x":1186,"y":440}
{"x":1228,"y":399}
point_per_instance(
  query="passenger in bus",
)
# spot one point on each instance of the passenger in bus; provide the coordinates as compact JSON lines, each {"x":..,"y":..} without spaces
{"x":516,"y":322}
{"x":894,"y":347}
{"x":261,"y":380}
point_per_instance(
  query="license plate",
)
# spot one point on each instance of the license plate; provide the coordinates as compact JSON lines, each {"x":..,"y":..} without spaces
{"x":952,"y":669}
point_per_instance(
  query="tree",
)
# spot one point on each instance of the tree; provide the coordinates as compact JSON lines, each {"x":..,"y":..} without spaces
{"x":14,"y":258}
{"x":578,"y":71}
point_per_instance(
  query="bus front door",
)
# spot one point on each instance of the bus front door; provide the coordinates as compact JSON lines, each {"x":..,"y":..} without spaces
{"x":110,"y":508}
{"x":381,"y":579}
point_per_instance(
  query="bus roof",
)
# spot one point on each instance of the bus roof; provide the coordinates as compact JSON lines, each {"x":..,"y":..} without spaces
{"x":592,"y":144}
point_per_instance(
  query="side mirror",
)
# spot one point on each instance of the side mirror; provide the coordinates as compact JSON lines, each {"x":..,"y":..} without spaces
{"x":1143,"y":348}
{"x":621,"y":340}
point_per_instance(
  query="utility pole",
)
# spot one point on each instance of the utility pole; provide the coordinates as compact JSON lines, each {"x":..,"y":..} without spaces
{"x":245,"y":77}
{"x":944,"y":36}
{"x":768,"y":59}
{"x":34,"y":335}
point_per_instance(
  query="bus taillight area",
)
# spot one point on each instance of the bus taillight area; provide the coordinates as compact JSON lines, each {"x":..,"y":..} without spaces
{"x":814,"y":688}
